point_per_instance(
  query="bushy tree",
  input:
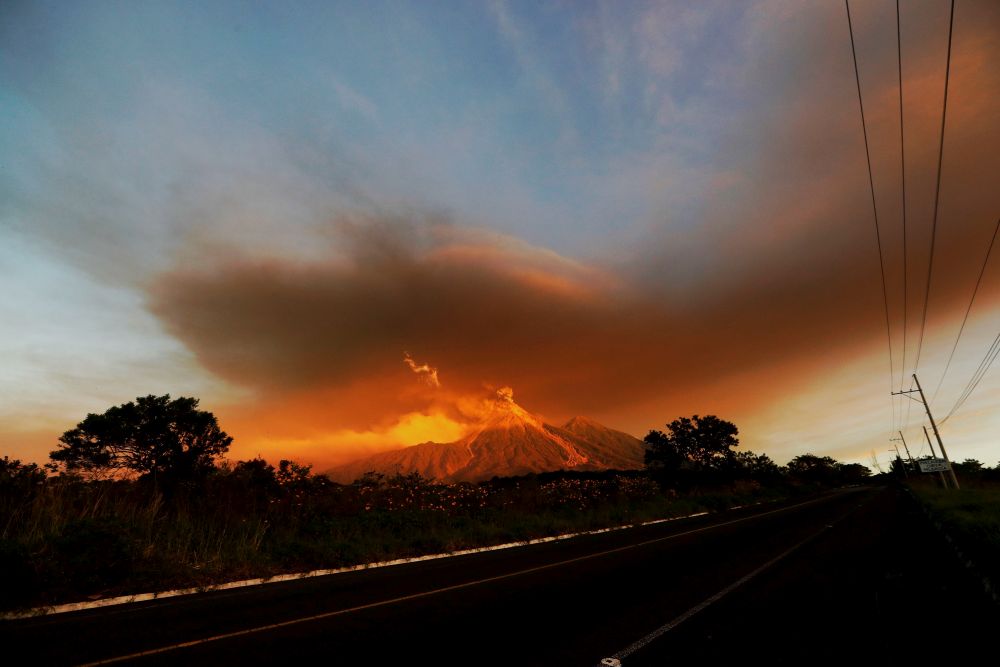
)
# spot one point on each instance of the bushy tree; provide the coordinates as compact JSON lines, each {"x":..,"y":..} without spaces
{"x":701,"y":442}
{"x":968,"y":467}
{"x":898,"y":467}
{"x":828,"y":471}
{"x":661,"y":453}
{"x":291,"y":473}
{"x":153,"y":435}
{"x":14,"y":474}
{"x":853,"y":473}
{"x":257,"y":472}
{"x":755,"y":465}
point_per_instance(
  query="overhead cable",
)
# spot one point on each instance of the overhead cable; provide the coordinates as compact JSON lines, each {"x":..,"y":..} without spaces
{"x":975,"y":291}
{"x":984,"y":366}
{"x":937,"y":189}
{"x":902,"y":167}
{"x":871,"y":183}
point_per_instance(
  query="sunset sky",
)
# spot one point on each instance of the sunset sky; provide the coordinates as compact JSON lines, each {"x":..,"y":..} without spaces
{"x":626,"y":210}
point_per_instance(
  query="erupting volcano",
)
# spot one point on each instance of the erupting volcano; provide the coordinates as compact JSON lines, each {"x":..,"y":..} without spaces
{"x":508,"y":441}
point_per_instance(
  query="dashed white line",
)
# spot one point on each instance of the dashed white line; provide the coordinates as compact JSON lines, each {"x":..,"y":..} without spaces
{"x":616,"y":659}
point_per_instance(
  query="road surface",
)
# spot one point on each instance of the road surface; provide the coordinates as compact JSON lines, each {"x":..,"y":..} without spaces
{"x":854,"y":577}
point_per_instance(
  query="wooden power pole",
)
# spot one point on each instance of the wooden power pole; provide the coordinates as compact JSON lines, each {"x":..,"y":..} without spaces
{"x":913,"y":466}
{"x":903,"y":440}
{"x":937,"y":434}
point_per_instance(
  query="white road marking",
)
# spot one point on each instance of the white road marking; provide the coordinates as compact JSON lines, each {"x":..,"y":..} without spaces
{"x":617,"y":658}
{"x":415,"y":596}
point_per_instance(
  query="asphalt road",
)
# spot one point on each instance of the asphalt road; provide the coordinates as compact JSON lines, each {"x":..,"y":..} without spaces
{"x":855,"y":577}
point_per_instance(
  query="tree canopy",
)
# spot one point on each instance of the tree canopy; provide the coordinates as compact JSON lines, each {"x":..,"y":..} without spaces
{"x":827,"y":470}
{"x":700,"y":442}
{"x":152,"y":435}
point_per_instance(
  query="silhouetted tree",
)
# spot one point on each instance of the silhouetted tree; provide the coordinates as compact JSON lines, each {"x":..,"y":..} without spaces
{"x":853,"y":473}
{"x":968,"y":467}
{"x":153,"y":435}
{"x":992,"y":474}
{"x":257,"y":472}
{"x":19,"y":477}
{"x":256,"y":479}
{"x":701,"y":442}
{"x":661,"y":454}
{"x":290,"y":473}
{"x":826,"y":470}
{"x":755,"y":465}
{"x":898,"y":467}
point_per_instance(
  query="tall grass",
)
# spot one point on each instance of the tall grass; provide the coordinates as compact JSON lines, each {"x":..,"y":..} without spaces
{"x":65,"y":539}
{"x":971,"y":516}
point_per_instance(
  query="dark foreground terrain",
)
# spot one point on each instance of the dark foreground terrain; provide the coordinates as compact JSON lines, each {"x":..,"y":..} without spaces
{"x":855,"y":577}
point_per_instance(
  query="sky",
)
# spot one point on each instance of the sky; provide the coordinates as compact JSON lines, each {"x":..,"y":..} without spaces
{"x":342,"y":225}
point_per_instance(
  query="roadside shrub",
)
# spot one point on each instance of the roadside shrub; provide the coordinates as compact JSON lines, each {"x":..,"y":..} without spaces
{"x":91,"y":555}
{"x":16,"y":574}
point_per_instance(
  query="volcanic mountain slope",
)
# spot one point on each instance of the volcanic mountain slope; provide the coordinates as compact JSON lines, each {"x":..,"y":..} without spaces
{"x":617,"y":450}
{"x":508,"y":441}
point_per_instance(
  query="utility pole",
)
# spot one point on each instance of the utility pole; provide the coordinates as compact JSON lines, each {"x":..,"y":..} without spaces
{"x":909,"y":457}
{"x":944,"y":480}
{"x":929,"y":444}
{"x":903,"y":440}
{"x":900,"y":459}
{"x":937,"y":435}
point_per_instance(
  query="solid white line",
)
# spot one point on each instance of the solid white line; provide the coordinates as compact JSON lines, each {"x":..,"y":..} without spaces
{"x":663,"y":629}
{"x":468,"y":584}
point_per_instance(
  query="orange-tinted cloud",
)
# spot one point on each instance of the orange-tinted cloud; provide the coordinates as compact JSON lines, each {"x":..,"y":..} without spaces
{"x":775,"y":282}
{"x":321,"y":343}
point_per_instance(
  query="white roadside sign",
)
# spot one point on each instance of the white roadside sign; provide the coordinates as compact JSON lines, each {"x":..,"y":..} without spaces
{"x":933,"y":465}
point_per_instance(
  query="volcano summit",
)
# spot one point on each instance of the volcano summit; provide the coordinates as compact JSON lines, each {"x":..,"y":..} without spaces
{"x":508,"y":441}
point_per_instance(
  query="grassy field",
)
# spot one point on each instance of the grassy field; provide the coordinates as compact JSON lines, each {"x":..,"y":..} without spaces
{"x":971,"y":516}
{"x":72,"y":541}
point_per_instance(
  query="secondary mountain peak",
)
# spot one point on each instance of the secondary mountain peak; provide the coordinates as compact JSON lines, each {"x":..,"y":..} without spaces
{"x":581,"y":422}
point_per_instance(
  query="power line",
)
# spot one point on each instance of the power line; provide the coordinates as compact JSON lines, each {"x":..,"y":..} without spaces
{"x":984,"y":365}
{"x":902,"y":166}
{"x":871,"y":183}
{"x":909,"y":406}
{"x":937,"y":190}
{"x":979,"y":281}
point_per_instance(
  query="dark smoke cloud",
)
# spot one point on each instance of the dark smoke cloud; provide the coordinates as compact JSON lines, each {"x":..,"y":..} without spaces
{"x":779,"y":278}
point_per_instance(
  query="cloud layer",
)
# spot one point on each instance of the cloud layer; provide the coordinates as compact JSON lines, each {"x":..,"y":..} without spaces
{"x":776,"y":281}
{"x":631,"y":213}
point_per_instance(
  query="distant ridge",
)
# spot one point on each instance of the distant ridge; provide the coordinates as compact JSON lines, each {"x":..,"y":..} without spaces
{"x":508,"y":441}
